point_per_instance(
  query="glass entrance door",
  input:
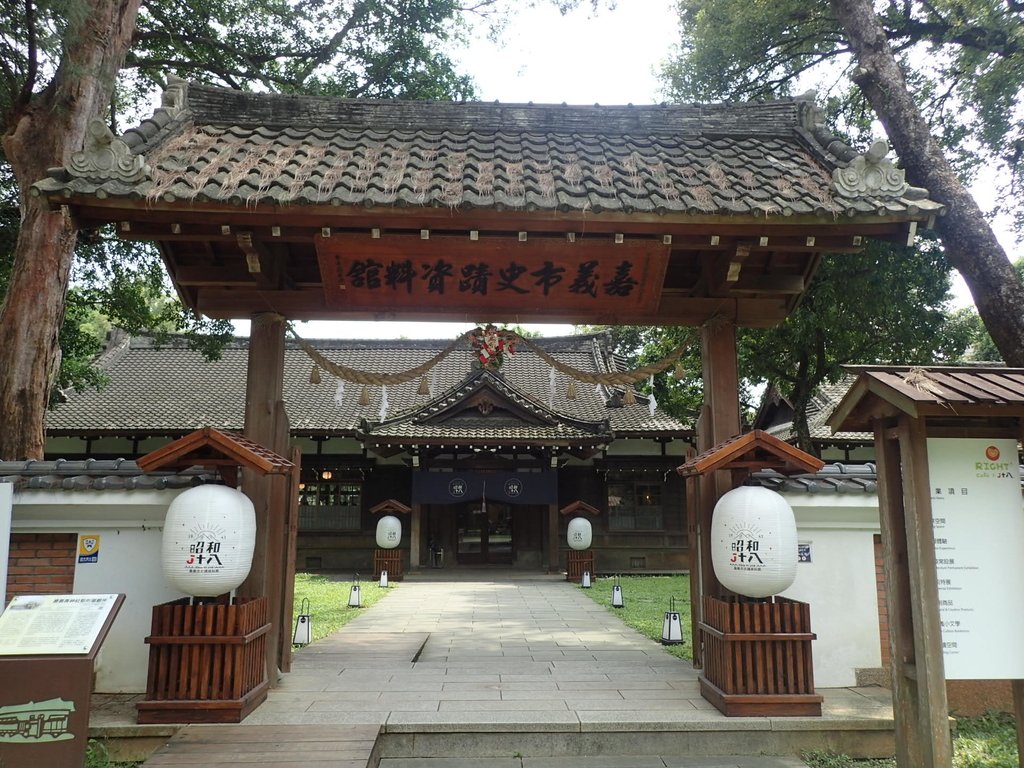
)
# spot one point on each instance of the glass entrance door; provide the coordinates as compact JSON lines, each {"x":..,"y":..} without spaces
{"x":485,"y":534}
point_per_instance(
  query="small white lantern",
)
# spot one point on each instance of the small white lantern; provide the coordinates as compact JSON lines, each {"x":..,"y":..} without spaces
{"x":389,"y":532}
{"x":586,"y":580}
{"x":208,"y":540}
{"x":580,"y":533}
{"x":617,"y":595}
{"x":384,"y":579}
{"x":672,"y":628}
{"x":354,"y":597}
{"x":753,"y":542}
{"x":303,"y":634}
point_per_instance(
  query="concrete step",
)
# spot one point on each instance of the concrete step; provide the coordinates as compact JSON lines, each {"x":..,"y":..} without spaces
{"x":603,"y":761}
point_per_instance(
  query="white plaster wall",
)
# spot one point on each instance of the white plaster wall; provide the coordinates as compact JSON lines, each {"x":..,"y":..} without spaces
{"x":129,"y":562}
{"x":839,"y":583}
{"x":6,"y":502}
{"x":130,"y":525}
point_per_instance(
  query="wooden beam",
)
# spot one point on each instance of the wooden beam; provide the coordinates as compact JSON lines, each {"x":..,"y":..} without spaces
{"x":415,"y":535}
{"x":553,"y":564}
{"x":223,"y":303}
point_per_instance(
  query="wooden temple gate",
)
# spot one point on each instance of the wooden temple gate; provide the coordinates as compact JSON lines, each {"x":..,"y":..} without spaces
{"x":279,"y":208}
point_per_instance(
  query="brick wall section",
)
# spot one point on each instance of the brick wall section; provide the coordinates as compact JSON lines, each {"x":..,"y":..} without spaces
{"x":883,"y":609}
{"x":41,"y":564}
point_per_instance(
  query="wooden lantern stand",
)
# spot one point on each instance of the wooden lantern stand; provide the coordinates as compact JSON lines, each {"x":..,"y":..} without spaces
{"x":390,"y":560}
{"x":579,"y":560}
{"x":756,"y":653}
{"x":208,"y":661}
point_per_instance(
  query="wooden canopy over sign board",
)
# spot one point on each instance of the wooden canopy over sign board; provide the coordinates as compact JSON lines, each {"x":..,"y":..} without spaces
{"x":905,"y":407}
{"x":281,"y":207}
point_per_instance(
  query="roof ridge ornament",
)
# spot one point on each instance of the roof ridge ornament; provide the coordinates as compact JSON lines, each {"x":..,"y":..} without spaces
{"x":871,"y":174}
{"x":106,"y":157}
{"x":173,"y":97}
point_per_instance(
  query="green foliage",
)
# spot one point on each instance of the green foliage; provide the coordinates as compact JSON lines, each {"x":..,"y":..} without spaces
{"x":964,"y":61}
{"x":989,"y":741}
{"x":328,"y":601}
{"x":644,"y":602}
{"x":980,"y":347}
{"x":887,"y":304}
{"x":96,"y":756}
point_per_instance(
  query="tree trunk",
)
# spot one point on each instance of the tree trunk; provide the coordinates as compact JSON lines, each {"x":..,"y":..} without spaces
{"x":971,"y":245}
{"x":43,"y":133}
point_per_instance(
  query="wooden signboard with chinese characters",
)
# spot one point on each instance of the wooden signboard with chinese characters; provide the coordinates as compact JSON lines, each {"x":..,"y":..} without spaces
{"x":492,"y":274}
{"x":48,"y":645}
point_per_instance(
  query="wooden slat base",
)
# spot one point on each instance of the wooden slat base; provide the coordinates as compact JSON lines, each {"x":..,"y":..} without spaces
{"x":201,"y":711}
{"x":761,"y":705}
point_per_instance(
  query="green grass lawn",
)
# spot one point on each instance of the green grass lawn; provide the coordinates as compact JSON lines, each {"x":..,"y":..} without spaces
{"x":989,"y":741}
{"x":645,"y":600}
{"x":328,"y":601}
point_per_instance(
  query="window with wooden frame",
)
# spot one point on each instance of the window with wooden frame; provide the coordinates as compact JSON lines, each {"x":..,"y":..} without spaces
{"x":634,"y":503}
{"x":330,"y":506}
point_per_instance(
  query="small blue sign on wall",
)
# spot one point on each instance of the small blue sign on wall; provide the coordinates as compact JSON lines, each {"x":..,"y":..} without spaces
{"x":803,"y":552}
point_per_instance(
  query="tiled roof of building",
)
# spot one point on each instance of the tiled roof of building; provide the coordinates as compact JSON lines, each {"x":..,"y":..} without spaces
{"x":168,"y":389}
{"x":832,"y":478}
{"x":94,"y":475}
{"x":216,"y":145}
{"x":823,"y":402}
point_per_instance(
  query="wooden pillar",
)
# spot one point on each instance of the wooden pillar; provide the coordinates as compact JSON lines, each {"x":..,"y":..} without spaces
{"x":291,"y":531}
{"x":719,"y":420}
{"x":266,"y":423}
{"x":693,"y":545}
{"x":912,"y":596}
{"x":553,"y":566}
{"x":415,"y":536}
{"x":1018,"y":706}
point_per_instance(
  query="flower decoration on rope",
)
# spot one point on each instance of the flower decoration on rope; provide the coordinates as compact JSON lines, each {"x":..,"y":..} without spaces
{"x":491,"y":344}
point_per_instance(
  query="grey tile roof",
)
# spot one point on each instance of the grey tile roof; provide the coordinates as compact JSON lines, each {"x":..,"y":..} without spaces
{"x":832,"y":478}
{"x":168,"y":389}
{"x":214,"y":145}
{"x":823,"y":403}
{"x":94,"y":475}
{"x":428,"y":422}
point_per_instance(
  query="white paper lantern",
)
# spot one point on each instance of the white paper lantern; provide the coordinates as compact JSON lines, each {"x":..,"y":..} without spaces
{"x":580,"y":533}
{"x":209,"y":537}
{"x":753,"y":542}
{"x":389,"y":532}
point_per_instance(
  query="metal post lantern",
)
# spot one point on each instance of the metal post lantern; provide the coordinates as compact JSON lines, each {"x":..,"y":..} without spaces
{"x":354,"y":598}
{"x":617,"y":594}
{"x":303,"y":634}
{"x":672,"y":628}
{"x":586,"y":580}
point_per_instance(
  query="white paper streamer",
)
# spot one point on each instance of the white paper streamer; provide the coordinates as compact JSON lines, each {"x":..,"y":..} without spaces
{"x":383,"y":402}
{"x":551,"y":387}
{"x":339,"y":393}
{"x":652,"y":403}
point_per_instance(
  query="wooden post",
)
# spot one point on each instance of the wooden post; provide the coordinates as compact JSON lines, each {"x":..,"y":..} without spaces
{"x":553,"y":538}
{"x":266,"y":423}
{"x":288,"y":576}
{"x":415,"y":536}
{"x":912,"y":597}
{"x":1018,"y":706}
{"x":693,"y":546}
{"x":719,"y":420}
